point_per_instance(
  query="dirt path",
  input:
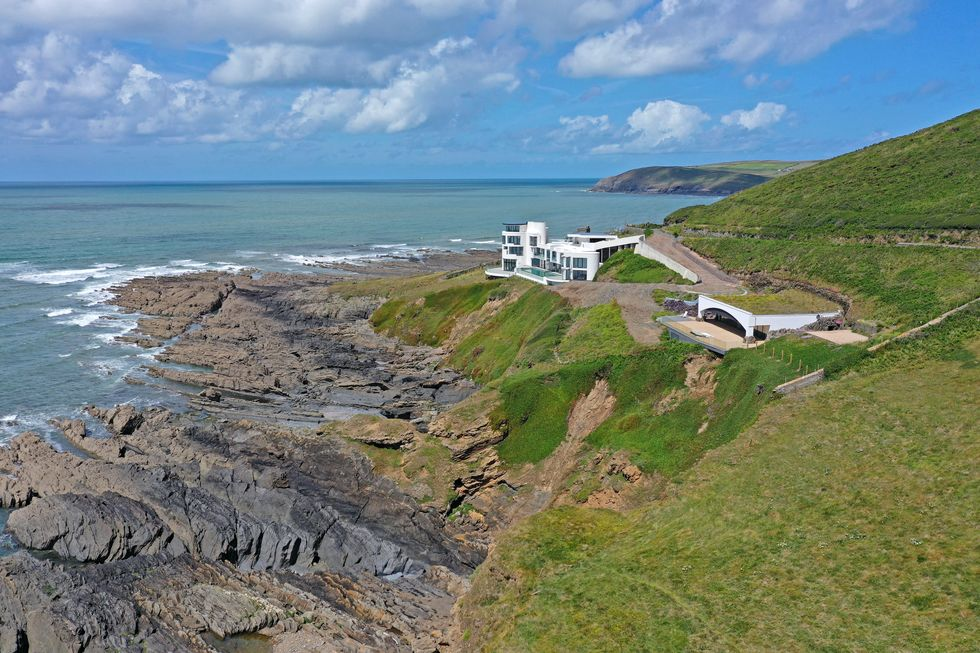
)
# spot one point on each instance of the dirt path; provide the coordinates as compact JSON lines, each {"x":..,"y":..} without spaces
{"x":713,"y":278}
{"x":928,"y":324}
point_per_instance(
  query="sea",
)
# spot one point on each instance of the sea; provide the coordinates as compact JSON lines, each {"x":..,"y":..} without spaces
{"x":63,"y":246}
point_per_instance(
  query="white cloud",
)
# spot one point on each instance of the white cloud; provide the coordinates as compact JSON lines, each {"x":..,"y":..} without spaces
{"x":280,"y":63}
{"x":677,"y":36}
{"x":754,"y":81}
{"x":554,"y":20}
{"x":65,"y":91}
{"x":311,"y":22}
{"x":764,"y":114}
{"x":576,"y":129}
{"x":660,"y":124}
{"x":434,"y":84}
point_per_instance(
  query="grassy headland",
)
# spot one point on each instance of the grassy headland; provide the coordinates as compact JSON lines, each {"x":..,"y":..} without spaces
{"x":709,"y":179}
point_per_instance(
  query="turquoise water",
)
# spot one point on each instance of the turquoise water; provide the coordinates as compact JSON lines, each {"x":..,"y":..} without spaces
{"x":61,"y":247}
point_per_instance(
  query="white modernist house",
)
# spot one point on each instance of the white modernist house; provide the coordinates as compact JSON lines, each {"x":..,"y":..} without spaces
{"x":525,"y":251}
{"x":755,"y":325}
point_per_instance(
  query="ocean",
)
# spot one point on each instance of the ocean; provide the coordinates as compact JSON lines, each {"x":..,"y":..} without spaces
{"x":63,"y":246}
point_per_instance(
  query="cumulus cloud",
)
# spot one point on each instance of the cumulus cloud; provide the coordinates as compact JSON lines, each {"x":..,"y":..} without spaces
{"x":658,"y":125}
{"x":434,"y":84}
{"x":764,"y":114}
{"x":678,"y":36}
{"x":280,"y":63}
{"x":311,"y":22}
{"x":64,"y":90}
{"x":553,"y":20}
{"x":578,"y":132}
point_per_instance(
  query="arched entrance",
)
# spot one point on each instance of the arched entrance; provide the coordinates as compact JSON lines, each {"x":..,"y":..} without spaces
{"x":725,"y":320}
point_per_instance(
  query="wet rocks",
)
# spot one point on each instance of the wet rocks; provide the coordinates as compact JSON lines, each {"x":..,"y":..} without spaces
{"x":285,"y":345}
{"x":74,"y":429}
{"x":92,"y":528}
{"x":122,"y":420}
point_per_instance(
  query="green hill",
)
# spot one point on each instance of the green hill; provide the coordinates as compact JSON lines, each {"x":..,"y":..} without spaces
{"x":841,"y":521}
{"x":926,"y":180}
{"x":710,"y":179}
{"x":895,"y":227}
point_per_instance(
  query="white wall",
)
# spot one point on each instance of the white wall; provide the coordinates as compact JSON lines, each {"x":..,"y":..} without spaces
{"x":750,"y":321}
{"x":646,"y":251}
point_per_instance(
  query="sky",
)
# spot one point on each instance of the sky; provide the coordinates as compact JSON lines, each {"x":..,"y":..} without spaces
{"x":197,"y":90}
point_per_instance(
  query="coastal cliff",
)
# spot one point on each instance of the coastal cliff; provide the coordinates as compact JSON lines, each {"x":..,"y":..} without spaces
{"x":710,"y":179}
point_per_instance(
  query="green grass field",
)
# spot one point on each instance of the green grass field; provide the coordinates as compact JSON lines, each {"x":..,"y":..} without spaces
{"x":926,"y":180}
{"x":841,"y":520}
{"x":790,"y":300}
{"x":626,"y":266}
{"x":764,"y":168}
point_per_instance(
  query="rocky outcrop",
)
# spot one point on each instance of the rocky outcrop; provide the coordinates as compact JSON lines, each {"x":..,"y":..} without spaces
{"x":226,"y":501}
{"x":208,"y":524}
{"x":92,"y":528}
{"x":162,"y":605}
{"x":121,"y":420}
{"x":285,"y":346}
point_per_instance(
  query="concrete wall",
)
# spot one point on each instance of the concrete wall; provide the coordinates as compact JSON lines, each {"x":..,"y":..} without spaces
{"x":800,"y":382}
{"x":750,"y":321}
{"x":646,"y":251}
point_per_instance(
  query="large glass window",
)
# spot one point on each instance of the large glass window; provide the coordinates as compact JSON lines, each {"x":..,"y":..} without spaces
{"x":580,"y":263}
{"x":512,"y":227}
{"x":516,"y":251}
{"x":510,"y":265}
{"x":534,"y":241}
{"x":514,"y":240}
{"x":578,"y":275}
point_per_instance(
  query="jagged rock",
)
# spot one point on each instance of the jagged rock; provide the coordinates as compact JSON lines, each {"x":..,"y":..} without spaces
{"x":122,"y":419}
{"x":210,"y":394}
{"x":92,"y":528}
{"x":13,"y":492}
{"x":74,"y":429}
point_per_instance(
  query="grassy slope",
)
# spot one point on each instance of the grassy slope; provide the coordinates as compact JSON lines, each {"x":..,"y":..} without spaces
{"x":928,"y":179}
{"x":429,"y":319}
{"x":766,"y":168}
{"x":902,"y":286}
{"x":530,"y":328}
{"x":816,"y":224}
{"x":839,"y":521}
{"x":626,"y":266}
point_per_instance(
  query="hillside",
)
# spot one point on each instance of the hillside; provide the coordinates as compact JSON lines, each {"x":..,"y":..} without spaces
{"x":650,"y":496}
{"x":840,"y":521}
{"x":710,"y":179}
{"x":893,"y":227}
{"x":926,"y":180}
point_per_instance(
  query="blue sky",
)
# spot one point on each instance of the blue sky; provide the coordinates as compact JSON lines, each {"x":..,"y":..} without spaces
{"x":342,"y":89}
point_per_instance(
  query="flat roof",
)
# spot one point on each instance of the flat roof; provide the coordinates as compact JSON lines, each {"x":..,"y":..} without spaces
{"x":515,"y":224}
{"x":784,"y":302}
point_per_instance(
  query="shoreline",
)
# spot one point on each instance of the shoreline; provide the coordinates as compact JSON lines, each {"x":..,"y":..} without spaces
{"x":261,"y":359}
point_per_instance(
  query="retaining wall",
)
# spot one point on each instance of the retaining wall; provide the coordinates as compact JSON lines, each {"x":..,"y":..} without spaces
{"x":800,"y":382}
{"x":646,"y":251}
